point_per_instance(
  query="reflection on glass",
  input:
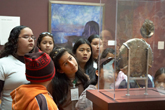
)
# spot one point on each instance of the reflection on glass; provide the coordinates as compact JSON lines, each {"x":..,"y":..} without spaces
{"x":159,"y":78}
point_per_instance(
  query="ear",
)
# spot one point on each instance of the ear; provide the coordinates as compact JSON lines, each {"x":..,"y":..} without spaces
{"x":97,"y":72}
{"x":60,"y":71}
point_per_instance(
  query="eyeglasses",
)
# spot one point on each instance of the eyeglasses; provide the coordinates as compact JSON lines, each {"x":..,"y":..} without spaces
{"x":28,"y":37}
{"x":46,"y":33}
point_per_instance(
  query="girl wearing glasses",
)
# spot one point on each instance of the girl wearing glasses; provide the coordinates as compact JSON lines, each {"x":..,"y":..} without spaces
{"x":45,"y":42}
{"x":12,"y":66}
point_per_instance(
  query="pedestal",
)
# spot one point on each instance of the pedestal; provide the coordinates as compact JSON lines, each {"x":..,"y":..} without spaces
{"x":104,"y":99}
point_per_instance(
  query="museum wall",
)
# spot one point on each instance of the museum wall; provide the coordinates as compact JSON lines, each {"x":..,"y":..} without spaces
{"x":34,"y":13}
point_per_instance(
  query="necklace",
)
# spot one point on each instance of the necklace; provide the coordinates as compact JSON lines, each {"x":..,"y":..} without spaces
{"x":74,"y":82}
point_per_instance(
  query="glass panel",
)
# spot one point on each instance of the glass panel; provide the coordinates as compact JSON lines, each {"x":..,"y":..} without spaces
{"x":136,"y":32}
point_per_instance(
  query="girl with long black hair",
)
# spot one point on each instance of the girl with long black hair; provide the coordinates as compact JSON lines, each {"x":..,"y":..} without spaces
{"x":69,"y":81}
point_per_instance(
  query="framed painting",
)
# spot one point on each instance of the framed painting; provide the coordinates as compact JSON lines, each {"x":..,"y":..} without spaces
{"x":69,"y":21}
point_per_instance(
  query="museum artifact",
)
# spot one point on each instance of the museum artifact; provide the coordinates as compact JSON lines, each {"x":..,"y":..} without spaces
{"x":147,"y":29}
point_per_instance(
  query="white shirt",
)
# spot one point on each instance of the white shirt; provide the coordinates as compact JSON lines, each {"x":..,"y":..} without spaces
{"x":94,"y":65}
{"x":12,"y":72}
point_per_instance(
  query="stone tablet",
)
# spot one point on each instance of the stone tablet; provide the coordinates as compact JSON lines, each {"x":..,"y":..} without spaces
{"x":138,"y":56}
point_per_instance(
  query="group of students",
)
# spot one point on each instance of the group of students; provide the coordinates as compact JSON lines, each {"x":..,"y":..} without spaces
{"x":25,"y":72}
{"x":50,"y":77}
{"x":42,"y":77}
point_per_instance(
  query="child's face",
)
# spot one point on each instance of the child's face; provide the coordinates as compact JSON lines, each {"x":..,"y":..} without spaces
{"x":106,"y":35}
{"x":160,"y":81}
{"x":110,"y":55}
{"x":96,"y":44}
{"x":68,"y":65}
{"x":46,"y":44}
{"x":25,"y":45}
{"x":83,"y":53}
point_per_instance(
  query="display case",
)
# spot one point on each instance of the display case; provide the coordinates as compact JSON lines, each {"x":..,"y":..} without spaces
{"x":134,"y":77}
{"x":132,"y":41}
{"x":136,"y":33}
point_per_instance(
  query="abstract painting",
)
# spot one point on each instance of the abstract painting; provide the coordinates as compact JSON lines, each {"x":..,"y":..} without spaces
{"x":67,"y":20}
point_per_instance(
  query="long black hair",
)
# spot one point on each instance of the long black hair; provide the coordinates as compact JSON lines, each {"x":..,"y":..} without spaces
{"x":89,"y":70}
{"x":60,"y":83}
{"x":106,"y":51}
{"x":90,"y":38}
{"x":10,"y":48}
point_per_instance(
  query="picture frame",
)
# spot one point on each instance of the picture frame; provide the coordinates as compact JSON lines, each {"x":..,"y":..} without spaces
{"x":68,"y":20}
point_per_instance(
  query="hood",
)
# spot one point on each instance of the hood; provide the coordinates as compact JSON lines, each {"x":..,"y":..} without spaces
{"x":24,"y":94}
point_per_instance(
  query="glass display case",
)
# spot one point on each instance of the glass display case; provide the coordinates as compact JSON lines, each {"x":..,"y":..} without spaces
{"x":135,"y":29}
{"x":131,"y":62}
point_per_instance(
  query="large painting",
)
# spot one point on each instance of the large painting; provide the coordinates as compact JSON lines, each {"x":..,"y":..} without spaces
{"x":71,"y":20}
